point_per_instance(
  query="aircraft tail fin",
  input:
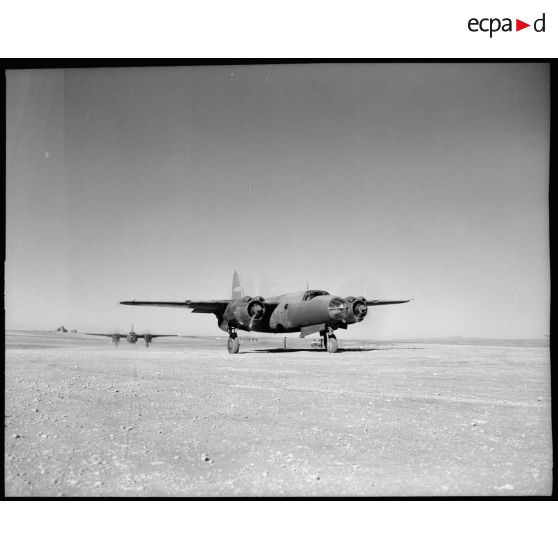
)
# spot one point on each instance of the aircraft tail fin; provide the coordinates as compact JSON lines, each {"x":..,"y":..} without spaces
{"x":237,"y":289}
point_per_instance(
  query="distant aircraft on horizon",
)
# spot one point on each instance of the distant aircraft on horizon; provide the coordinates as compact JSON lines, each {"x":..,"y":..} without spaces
{"x":131,"y":337}
{"x":307,"y":312}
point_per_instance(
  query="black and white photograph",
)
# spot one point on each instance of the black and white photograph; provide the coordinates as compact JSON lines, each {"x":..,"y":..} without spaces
{"x":278,"y":280}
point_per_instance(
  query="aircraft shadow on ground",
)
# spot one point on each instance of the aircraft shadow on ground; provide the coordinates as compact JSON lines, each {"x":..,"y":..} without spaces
{"x":340,"y":350}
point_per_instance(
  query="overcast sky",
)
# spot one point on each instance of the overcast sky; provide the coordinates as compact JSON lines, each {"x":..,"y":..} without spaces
{"x":385,"y":180}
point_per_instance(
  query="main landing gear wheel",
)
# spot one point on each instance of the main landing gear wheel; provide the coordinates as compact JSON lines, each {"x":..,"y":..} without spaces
{"x":233,"y":344}
{"x":332,"y":345}
{"x":329,"y":340}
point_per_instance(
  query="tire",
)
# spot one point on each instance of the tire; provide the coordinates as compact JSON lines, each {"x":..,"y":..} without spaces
{"x":233,"y":345}
{"x":332,"y":344}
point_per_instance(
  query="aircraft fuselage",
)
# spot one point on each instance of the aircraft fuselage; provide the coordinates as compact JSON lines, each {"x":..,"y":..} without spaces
{"x":132,"y":337}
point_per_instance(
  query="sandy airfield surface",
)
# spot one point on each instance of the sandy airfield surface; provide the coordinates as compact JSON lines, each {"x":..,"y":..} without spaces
{"x":185,"y":418}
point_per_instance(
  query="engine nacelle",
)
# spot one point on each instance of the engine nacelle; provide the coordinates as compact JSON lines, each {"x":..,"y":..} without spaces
{"x":357,"y":309}
{"x":246,"y":311}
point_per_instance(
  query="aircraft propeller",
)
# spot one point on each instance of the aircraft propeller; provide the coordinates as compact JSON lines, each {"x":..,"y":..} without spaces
{"x":256,"y":311}
{"x":359,"y":308}
{"x":356,"y":308}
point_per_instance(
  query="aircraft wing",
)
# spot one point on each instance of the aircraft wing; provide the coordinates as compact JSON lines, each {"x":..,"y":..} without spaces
{"x":144,"y":335}
{"x":381,"y":302}
{"x":120,"y":335}
{"x":159,"y":335}
{"x":199,"y":306}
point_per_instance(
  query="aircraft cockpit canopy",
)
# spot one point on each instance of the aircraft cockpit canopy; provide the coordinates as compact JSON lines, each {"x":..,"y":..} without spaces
{"x":309,"y":295}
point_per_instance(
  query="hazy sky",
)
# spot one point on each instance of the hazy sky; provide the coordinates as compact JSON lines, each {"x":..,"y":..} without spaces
{"x":386,"y":180}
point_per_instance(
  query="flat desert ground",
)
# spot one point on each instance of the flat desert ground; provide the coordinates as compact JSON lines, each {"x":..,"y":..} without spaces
{"x":184,"y":418}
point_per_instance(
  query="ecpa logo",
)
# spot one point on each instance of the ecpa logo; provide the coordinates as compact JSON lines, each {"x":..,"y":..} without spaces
{"x":494,"y":24}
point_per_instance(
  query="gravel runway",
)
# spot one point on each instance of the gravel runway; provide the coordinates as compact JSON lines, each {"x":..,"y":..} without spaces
{"x":184,"y":418}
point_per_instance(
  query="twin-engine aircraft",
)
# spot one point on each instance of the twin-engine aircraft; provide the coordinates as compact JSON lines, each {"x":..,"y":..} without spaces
{"x":307,"y":312}
{"x":131,"y":337}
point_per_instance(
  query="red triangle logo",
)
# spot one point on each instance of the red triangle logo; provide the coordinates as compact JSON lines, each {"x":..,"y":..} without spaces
{"x":519,"y":25}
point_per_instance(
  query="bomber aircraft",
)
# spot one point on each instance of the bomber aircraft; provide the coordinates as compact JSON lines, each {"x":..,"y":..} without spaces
{"x":131,"y":337}
{"x":307,"y":312}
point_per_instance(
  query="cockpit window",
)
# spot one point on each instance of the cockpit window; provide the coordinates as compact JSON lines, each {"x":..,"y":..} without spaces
{"x":309,"y":295}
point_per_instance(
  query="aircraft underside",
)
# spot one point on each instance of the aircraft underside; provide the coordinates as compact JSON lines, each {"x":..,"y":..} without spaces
{"x":326,"y":331}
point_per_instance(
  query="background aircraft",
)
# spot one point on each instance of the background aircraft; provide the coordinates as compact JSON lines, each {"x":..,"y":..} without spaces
{"x":310,"y":311}
{"x":131,"y":337}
